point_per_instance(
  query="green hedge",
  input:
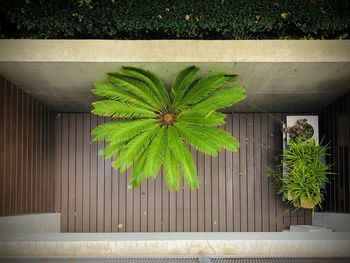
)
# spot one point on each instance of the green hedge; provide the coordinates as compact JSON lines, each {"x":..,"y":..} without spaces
{"x":179,"y":19}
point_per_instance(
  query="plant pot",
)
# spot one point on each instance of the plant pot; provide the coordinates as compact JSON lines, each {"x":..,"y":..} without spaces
{"x":307,"y":203}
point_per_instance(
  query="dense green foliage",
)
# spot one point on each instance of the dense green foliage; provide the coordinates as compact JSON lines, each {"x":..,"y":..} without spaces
{"x":301,"y":173}
{"x":157,"y":124}
{"x":176,"y":19}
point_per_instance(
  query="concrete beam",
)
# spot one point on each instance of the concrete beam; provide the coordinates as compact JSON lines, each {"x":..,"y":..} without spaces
{"x":177,"y":244}
{"x":193,"y":51}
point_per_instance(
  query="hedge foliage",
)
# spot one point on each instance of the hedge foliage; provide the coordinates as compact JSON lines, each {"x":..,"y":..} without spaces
{"x":175,"y":19}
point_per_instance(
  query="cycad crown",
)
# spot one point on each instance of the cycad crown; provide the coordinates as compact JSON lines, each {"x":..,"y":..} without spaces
{"x":158,"y":123}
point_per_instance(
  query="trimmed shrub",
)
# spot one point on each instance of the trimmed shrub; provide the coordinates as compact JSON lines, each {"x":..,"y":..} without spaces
{"x":176,"y":19}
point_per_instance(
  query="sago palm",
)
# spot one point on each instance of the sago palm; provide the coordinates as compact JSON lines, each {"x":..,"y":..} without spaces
{"x":157,"y":124}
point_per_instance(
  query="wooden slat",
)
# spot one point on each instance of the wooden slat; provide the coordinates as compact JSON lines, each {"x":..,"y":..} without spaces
{"x":250,"y":172}
{"x":243,"y":172}
{"x":93,"y":180}
{"x":79,"y":166}
{"x":86,"y":180}
{"x":229,"y":181}
{"x":264,"y":179}
{"x":257,"y":172}
{"x":272,"y":193}
{"x":236,"y":177}
{"x":100,"y":184}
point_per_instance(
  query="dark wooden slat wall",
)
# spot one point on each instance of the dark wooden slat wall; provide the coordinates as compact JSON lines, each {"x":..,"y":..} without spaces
{"x":26,"y":153}
{"x":235,"y":193}
{"x":335,"y":128}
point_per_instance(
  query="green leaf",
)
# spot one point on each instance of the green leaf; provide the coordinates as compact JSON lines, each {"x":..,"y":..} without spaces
{"x":135,"y":147}
{"x":197,"y":138}
{"x":202,"y":118}
{"x":171,"y":170}
{"x":111,"y":149}
{"x":109,"y":90}
{"x":152,"y":81}
{"x":138,"y":173}
{"x":221,"y":99}
{"x":156,"y":152}
{"x":203,"y":88}
{"x":117,"y":109}
{"x":181,"y":84}
{"x":182,"y":153}
{"x":135,"y":86}
{"x":121,"y":130}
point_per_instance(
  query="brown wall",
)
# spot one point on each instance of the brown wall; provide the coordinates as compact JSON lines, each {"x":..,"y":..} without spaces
{"x":235,"y":193}
{"x":26,"y":179}
{"x":335,"y":127}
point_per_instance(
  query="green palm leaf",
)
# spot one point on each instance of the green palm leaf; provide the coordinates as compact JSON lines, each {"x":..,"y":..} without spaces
{"x":221,"y":99}
{"x":117,"y":109}
{"x":199,"y":139}
{"x":138,"y":173}
{"x":157,"y":126}
{"x":203,"y":88}
{"x":181,"y":84}
{"x":152,"y":81}
{"x":171,"y":171}
{"x":120,"y":131}
{"x":155,"y":153}
{"x":136,"y":87}
{"x":202,"y":118}
{"x":182,"y":153}
{"x":109,"y":90}
{"x":135,"y":147}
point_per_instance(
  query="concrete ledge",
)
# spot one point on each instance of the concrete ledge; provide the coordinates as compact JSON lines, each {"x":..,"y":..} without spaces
{"x":193,"y":51}
{"x":35,"y":223}
{"x":178,"y":244}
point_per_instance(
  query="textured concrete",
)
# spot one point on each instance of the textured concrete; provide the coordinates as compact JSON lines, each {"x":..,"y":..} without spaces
{"x":251,"y":244}
{"x":175,"y":51}
{"x":280,"y":76}
{"x":36,"y":223}
{"x":337,"y":221}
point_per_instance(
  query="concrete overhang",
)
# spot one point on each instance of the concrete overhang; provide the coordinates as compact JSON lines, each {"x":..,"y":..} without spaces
{"x":279,"y":75}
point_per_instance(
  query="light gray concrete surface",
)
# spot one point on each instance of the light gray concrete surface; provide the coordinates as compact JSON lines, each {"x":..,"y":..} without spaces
{"x":36,"y":223}
{"x":337,"y":221}
{"x":151,"y":244}
{"x":279,"y":75}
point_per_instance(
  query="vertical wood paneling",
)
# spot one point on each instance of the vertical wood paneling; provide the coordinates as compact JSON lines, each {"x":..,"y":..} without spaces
{"x":235,"y":193}
{"x":335,"y":129}
{"x":25,"y":159}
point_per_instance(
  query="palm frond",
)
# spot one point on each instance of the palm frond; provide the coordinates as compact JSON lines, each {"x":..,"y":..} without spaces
{"x":138,"y":173}
{"x":202,"y":88}
{"x":111,"y":150}
{"x":182,"y":153}
{"x":197,"y":138}
{"x":171,"y":171}
{"x":151,"y":80}
{"x":221,"y":99}
{"x":163,"y":123}
{"x":117,"y":109}
{"x":137,"y":87}
{"x":155,"y":153}
{"x":202,"y":118}
{"x":181,"y":83}
{"x":121,"y":130}
{"x":135,"y":147}
{"x":111,"y":91}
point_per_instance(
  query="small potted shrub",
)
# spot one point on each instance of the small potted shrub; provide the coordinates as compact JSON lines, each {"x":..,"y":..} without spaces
{"x":302,"y":169}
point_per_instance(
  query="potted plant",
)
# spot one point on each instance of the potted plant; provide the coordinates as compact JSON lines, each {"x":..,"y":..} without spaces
{"x":302,"y":170}
{"x":156,"y":124}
